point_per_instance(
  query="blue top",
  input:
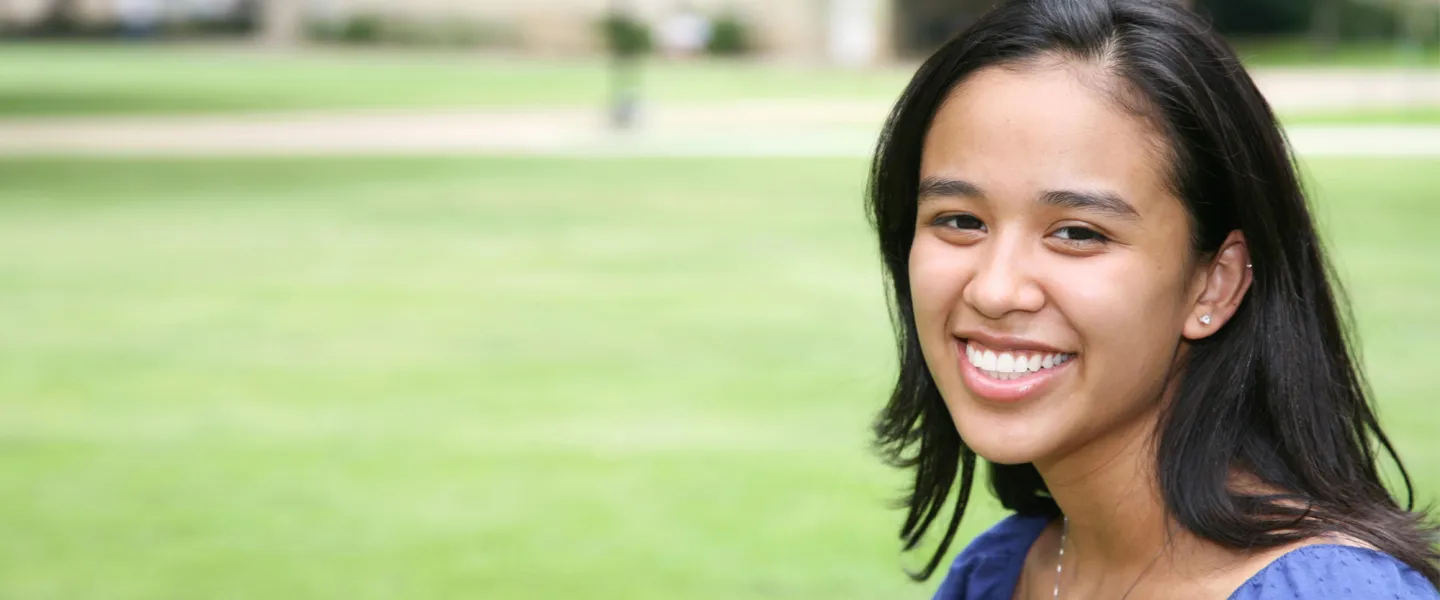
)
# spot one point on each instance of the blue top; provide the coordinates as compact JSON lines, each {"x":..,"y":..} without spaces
{"x":989,"y":569}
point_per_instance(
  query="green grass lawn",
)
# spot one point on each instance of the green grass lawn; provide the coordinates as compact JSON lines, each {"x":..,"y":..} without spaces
{"x":118,"y":79}
{"x":1416,"y":115}
{"x":51,"y":79}
{"x":500,"y":378}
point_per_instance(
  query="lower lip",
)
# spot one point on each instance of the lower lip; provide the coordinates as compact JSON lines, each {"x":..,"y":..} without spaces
{"x":1005,"y":390}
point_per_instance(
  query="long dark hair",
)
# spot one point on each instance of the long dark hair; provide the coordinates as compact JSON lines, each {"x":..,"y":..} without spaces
{"x":1275,"y":393}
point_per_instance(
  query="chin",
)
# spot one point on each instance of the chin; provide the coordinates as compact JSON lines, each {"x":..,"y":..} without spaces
{"x":1006,"y":440}
{"x":1005,"y":456}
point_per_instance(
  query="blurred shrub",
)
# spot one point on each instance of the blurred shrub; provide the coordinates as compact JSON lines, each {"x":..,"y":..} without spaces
{"x":1344,"y":19}
{"x":372,"y":29}
{"x":1366,"y":20}
{"x":1258,"y":17}
{"x":61,"y":18}
{"x":730,"y":36}
{"x":230,"y":24}
{"x":64,"y":19}
{"x":466,"y":34}
{"x":625,"y":35}
{"x":363,"y":29}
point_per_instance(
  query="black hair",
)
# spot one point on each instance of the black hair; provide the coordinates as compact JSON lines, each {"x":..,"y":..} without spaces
{"x":1275,"y":393}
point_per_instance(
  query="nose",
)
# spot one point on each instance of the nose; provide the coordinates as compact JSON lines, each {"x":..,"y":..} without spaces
{"x":1003,"y":281}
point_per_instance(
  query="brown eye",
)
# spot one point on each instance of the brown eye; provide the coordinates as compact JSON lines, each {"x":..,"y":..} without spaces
{"x":1080,"y":234}
{"x":960,"y":221}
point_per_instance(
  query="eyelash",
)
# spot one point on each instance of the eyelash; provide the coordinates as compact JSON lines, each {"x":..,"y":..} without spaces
{"x":1095,"y":236}
{"x":952,"y":222}
{"x":945,"y":220}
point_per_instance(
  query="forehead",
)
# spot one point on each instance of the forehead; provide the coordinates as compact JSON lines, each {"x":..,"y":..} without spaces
{"x":1017,"y":131}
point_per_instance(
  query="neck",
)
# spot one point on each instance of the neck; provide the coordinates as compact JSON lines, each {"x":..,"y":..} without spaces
{"x":1109,"y":494}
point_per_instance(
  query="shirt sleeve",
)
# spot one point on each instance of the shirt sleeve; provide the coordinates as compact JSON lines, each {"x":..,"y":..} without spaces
{"x":1333,"y":572}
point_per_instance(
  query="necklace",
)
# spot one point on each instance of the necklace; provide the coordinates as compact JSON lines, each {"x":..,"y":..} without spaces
{"x":1060,"y":561}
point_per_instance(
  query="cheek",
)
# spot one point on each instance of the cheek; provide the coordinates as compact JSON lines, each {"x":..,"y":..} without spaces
{"x":1127,"y":318}
{"x":935,"y":283}
{"x":1106,"y":296}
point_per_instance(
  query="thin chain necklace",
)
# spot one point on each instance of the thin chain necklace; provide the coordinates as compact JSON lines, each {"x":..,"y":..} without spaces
{"x":1060,"y":561}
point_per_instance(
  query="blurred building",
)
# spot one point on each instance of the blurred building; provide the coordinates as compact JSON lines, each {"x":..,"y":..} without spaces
{"x":847,"y":31}
{"x":842,"y":30}
{"x":24,"y":12}
{"x":839,"y":31}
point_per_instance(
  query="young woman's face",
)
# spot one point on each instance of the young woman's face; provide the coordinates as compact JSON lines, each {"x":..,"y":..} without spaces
{"x":1050,"y":272}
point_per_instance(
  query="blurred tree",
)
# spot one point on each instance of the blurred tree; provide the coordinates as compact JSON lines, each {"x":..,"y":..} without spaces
{"x":628,"y":39}
{"x":1408,"y":22}
{"x":1416,"y":21}
{"x":1325,"y":25}
{"x":923,"y":25}
{"x":62,"y":17}
{"x":920,"y":26}
{"x":730,"y":36}
{"x":1259,"y":17}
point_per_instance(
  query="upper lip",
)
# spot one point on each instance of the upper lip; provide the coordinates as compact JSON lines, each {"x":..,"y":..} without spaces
{"x":1002,"y":342}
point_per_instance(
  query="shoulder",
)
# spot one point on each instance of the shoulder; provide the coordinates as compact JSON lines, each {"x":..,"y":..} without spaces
{"x":990,"y":565}
{"x":1336,"y":572}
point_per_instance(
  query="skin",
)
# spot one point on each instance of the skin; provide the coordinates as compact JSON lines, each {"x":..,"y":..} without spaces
{"x":1117,"y":285}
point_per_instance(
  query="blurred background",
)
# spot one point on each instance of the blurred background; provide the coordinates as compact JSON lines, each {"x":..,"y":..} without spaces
{"x":535,"y":299}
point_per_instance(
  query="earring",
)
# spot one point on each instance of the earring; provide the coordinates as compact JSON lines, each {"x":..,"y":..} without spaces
{"x":1204,"y":319}
{"x":1247,"y":265}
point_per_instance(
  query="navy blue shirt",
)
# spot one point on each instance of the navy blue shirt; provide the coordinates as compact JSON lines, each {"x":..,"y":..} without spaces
{"x":989,"y":569}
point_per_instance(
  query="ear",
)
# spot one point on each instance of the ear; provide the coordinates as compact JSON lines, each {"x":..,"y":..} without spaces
{"x":1221,"y":284}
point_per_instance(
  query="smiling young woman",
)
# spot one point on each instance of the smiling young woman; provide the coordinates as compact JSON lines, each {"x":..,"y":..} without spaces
{"x":1108,"y":286}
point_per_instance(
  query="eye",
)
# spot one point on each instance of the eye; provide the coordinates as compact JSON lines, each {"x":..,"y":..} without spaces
{"x":1076,"y":233}
{"x":964,"y":221}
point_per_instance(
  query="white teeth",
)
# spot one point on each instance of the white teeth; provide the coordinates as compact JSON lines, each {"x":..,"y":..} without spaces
{"x":1012,"y":365}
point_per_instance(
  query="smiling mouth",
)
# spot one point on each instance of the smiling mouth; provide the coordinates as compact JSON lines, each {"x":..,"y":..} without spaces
{"x":1007,"y":365}
{"x":1011,"y":375}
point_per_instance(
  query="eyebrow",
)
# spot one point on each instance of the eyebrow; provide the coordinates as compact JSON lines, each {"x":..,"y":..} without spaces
{"x":940,"y":187}
{"x":1103,"y":201}
{"x":1099,"y":201}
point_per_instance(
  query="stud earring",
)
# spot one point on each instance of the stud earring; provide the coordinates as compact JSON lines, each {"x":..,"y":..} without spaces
{"x":1204,"y":319}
